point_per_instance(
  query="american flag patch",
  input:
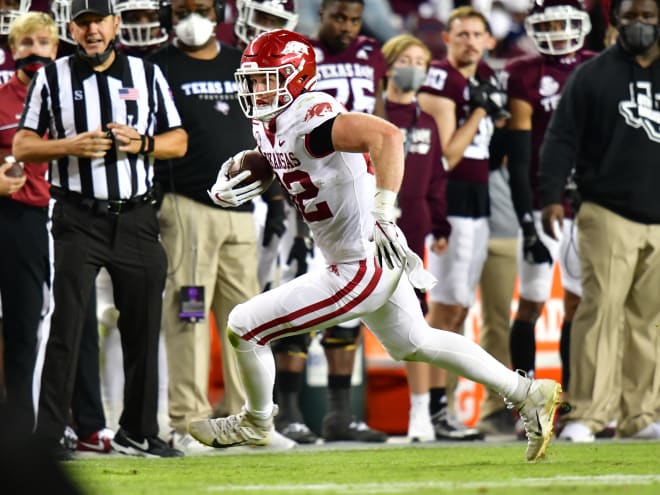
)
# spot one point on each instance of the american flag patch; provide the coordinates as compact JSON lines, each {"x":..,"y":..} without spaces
{"x":131,"y":94}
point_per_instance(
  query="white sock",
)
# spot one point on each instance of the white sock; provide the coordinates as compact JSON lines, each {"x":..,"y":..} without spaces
{"x":463,"y":357}
{"x":420,"y":402}
{"x":257,"y":370}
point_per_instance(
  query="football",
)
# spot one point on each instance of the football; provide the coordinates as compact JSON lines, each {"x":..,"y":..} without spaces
{"x":258,"y":166}
{"x":16,"y":170}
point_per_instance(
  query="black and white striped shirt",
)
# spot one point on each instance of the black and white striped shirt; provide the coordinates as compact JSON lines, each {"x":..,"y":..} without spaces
{"x":68,"y":97}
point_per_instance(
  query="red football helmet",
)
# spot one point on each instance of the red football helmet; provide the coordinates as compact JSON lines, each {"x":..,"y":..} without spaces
{"x":557,"y":27}
{"x":259,"y":16}
{"x":283,"y":64}
{"x":11,"y":11}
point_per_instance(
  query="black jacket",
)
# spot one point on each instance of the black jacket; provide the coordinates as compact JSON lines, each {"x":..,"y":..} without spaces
{"x":607,"y":126}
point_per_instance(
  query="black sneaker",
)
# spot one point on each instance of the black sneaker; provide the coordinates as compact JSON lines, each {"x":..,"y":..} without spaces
{"x":61,"y":452}
{"x":501,"y":422}
{"x":145,"y":447}
{"x":340,"y":427}
{"x":298,"y":432}
{"x":448,"y":427}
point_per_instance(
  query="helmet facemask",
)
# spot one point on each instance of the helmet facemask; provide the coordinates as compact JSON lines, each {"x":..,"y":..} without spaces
{"x":558,"y":30}
{"x":8,"y":15}
{"x":277,"y":80}
{"x":133,"y":32}
{"x":256,"y":17}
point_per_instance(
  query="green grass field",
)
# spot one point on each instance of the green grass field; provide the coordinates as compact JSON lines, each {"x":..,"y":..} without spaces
{"x":602,"y":468}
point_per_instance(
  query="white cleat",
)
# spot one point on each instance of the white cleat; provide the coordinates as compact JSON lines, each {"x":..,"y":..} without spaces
{"x":537,"y":411}
{"x":239,"y":429}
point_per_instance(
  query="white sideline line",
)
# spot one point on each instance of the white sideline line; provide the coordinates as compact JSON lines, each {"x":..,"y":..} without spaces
{"x":396,"y":487}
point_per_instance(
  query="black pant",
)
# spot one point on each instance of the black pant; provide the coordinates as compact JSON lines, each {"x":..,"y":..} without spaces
{"x":24,"y":270}
{"x":86,"y":404}
{"x":127,"y":245}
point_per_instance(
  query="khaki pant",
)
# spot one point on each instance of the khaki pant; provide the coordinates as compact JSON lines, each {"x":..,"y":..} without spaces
{"x":620,"y":262}
{"x":497,"y":282}
{"x":216,"y":249}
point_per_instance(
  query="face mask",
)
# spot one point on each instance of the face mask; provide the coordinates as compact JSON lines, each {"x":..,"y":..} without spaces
{"x":31,"y":64}
{"x":638,"y":38}
{"x":194,"y":30}
{"x":409,"y":78}
{"x":98,"y":58}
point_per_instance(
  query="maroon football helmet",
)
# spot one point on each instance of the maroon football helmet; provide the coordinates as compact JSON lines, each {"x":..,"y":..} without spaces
{"x":8,"y":14}
{"x":140,"y":24}
{"x":259,"y":16}
{"x":284,"y":62}
{"x":557,"y":27}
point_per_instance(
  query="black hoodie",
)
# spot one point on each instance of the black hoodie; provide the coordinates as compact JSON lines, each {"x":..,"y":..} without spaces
{"x":607,"y":126}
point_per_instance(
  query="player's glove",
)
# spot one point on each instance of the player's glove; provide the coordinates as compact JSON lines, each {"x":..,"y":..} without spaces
{"x":391,"y":246}
{"x":225,"y":193}
{"x":534,"y":251}
{"x":390,"y":241}
{"x":487,"y":95}
{"x":301,"y":247}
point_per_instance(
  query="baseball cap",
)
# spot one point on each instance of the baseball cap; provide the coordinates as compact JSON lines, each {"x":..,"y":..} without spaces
{"x":99,"y":7}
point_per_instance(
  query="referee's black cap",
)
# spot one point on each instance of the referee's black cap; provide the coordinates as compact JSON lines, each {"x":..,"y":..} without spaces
{"x":99,"y":7}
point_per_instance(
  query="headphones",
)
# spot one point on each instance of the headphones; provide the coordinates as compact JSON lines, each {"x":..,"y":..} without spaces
{"x":165,"y":13}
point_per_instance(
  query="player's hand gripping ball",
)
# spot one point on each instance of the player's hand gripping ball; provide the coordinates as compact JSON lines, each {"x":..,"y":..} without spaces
{"x":241,"y":178}
{"x":256,"y":164}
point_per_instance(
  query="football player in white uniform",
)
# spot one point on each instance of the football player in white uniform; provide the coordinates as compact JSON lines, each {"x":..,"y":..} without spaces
{"x":343,"y":171}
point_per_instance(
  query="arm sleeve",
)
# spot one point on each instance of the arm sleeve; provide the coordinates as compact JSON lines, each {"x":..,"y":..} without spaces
{"x":560,"y":146}
{"x":497,"y":148}
{"x":437,"y":192}
{"x":320,"y":139}
{"x":520,"y":155}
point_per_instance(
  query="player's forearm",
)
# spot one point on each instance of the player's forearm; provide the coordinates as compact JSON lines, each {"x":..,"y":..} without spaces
{"x":362,"y":133}
{"x":462,"y":137}
{"x":387,"y":158}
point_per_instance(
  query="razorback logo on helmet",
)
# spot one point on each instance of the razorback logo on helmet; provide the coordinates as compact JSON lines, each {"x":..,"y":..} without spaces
{"x":295,"y":47}
{"x":318,"y":110}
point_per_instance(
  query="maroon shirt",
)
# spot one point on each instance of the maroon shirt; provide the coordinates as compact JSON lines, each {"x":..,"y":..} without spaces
{"x":422,"y":196}
{"x":352,"y":75}
{"x":36,"y":191}
{"x":538,"y":80}
{"x":6,"y":62}
{"x":445,"y":80}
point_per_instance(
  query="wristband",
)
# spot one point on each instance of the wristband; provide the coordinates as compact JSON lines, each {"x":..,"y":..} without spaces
{"x":385,"y":205}
{"x":146,"y":144}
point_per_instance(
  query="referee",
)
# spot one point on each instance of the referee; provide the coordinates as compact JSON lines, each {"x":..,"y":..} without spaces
{"x":108,"y":117}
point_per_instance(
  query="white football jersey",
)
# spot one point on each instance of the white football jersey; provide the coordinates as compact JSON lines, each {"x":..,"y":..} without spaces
{"x":335,"y":192}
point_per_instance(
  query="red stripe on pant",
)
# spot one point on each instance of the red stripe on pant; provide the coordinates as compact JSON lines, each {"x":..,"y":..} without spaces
{"x":318,"y":306}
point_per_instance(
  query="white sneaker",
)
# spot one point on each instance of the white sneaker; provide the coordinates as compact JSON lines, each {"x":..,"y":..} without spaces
{"x":577,"y":432}
{"x":187,"y":444}
{"x":537,"y":411}
{"x":649,"y":432}
{"x":420,"y":428}
{"x":239,"y":429}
